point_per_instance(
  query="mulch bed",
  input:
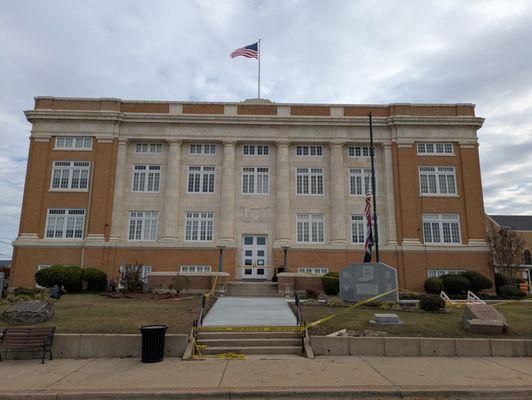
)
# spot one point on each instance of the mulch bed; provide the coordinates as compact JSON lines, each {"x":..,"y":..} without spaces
{"x":143,"y":295}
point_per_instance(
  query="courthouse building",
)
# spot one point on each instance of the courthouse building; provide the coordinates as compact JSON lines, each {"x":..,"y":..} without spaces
{"x":170,"y":185}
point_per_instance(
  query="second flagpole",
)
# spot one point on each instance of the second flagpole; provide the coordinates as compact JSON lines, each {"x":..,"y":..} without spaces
{"x":259,"y":72}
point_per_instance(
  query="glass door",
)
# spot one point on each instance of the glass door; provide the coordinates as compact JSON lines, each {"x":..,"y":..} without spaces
{"x":254,"y":256}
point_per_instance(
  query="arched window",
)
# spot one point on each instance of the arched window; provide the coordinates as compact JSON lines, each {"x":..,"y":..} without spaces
{"x":527,"y":258}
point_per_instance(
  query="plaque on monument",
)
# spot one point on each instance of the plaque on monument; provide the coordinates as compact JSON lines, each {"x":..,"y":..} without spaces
{"x":29,"y":312}
{"x":362,"y":281}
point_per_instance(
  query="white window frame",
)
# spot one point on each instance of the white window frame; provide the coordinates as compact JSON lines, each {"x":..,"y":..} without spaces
{"x":309,"y":150}
{"x":199,"y":226}
{"x":198,"y":149}
{"x":64,"y":220}
{"x":148,"y":148}
{"x":142,"y":225}
{"x":201,"y":177}
{"x":73,"y":143}
{"x":359,"y":227}
{"x":437,"y":181}
{"x":438,"y":226}
{"x":195,"y":269}
{"x":435,"y":149}
{"x":359,"y":151}
{"x":310,"y":181}
{"x":255,"y":150}
{"x":313,"y":270}
{"x":255,"y":181}
{"x":146,"y":178}
{"x":73,"y":173}
{"x":436,"y":273}
{"x":360,"y":181}
{"x":39,"y":268}
{"x":310,"y":228}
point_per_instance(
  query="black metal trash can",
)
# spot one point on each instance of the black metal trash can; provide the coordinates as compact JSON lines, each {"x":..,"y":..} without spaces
{"x":153,"y":342}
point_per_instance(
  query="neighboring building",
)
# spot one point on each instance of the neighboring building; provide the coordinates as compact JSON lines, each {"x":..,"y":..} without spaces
{"x":523,"y":225}
{"x":167,"y":184}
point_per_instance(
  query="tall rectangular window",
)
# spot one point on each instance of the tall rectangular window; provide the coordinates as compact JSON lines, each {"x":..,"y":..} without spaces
{"x":314,"y":151}
{"x":198,"y":226}
{"x":143,"y":225}
{"x":255,"y":180}
{"x":255,"y":150}
{"x":359,"y":181}
{"x":202,"y":149}
{"x":309,"y":228}
{"x":441,"y":228}
{"x":141,"y":148}
{"x":359,"y":151}
{"x":65,"y":223}
{"x":70,"y":175}
{"x":146,"y":178}
{"x":435,"y":149}
{"x":358,"y":229}
{"x":437,"y":180}
{"x":309,"y":181}
{"x":201,"y":179}
{"x":73,"y":143}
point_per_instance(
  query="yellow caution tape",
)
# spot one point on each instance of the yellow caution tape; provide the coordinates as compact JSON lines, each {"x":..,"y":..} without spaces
{"x":357,"y":304}
{"x":231,"y":356}
{"x":213,"y":287}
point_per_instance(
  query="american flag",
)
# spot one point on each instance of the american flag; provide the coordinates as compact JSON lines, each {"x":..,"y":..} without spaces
{"x":251,"y":51}
{"x":369,"y":233}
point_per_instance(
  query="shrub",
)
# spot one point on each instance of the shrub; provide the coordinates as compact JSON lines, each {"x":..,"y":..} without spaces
{"x":331,"y":283}
{"x":67,"y":276}
{"x":28,"y":292}
{"x":434,"y":285}
{"x":312,"y":293}
{"x":455,"y":284}
{"x":131,"y":278}
{"x":431,"y":302}
{"x":478,"y":281}
{"x":499,"y":281}
{"x":334,"y":301}
{"x":96,"y":279}
{"x":179,"y":283}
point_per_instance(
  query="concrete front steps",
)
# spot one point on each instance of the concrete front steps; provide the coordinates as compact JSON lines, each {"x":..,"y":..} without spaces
{"x":249,"y":342}
{"x":252,"y":289}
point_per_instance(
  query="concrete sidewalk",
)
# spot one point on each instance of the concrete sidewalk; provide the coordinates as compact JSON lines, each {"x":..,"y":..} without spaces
{"x":269,"y":377}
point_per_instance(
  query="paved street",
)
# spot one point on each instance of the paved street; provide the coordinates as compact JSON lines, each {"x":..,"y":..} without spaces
{"x":255,"y":311}
{"x":387,"y":377}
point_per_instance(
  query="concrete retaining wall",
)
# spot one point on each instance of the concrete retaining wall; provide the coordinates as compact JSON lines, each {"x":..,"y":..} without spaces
{"x":415,"y":347}
{"x":72,"y":345}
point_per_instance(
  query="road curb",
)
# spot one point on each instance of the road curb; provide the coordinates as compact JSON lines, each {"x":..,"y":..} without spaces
{"x":282,"y":394}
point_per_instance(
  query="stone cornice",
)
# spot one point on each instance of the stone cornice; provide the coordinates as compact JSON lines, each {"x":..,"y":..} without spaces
{"x":121,"y":117}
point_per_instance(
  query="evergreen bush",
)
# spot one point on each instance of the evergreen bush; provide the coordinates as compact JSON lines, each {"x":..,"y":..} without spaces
{"x":434,"y":285}
{"x":331,"y":283}
{"x":96,"y":279}
{"x":431,"y":302}
{"x":455,"y":284}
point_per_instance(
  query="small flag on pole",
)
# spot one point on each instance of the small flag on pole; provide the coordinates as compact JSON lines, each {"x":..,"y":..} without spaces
{"x":251,"y":51}
{"x":369,"y":233}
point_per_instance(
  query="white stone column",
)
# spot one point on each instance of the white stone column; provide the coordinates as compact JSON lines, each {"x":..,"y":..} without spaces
{"x":390,"y":196}
{"x":337,"y":195}
{"x":283,"y":215}
{"x":120,"y":177}
{"x":227,"y":209}
{"x":171,"y":198}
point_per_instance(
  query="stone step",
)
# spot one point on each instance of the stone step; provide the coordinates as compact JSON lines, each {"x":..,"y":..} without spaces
{"x":254,"y":350}
{"x":248,"y":335}
{"x":241,"y":342}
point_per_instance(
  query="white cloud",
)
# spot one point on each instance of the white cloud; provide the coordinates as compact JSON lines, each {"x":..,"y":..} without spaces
{"x":313,"y":51}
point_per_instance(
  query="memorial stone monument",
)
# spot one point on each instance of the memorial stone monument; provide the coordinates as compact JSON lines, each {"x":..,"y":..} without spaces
{"x":362,"y":281}
{"x":29,"y":312}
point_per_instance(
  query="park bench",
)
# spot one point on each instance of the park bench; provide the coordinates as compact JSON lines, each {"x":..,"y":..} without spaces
{"x":25,"y":338}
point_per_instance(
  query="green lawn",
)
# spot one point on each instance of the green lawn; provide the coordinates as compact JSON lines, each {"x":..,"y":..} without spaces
{"x":92,"y":313}
{"x":518,"y":315}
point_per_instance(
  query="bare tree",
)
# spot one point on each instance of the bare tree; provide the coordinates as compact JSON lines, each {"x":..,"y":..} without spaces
{"x":506,"y":251}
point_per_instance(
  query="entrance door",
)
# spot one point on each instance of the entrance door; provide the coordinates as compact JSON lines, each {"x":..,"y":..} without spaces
{"x":254,"y":256}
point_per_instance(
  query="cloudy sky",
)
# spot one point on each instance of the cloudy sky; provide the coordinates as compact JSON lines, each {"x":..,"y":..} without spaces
{"x":313,"y":51}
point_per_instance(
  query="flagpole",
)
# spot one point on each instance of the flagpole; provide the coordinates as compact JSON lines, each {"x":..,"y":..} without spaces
{"x":259,"y":72}
{"x":374,"y":193}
